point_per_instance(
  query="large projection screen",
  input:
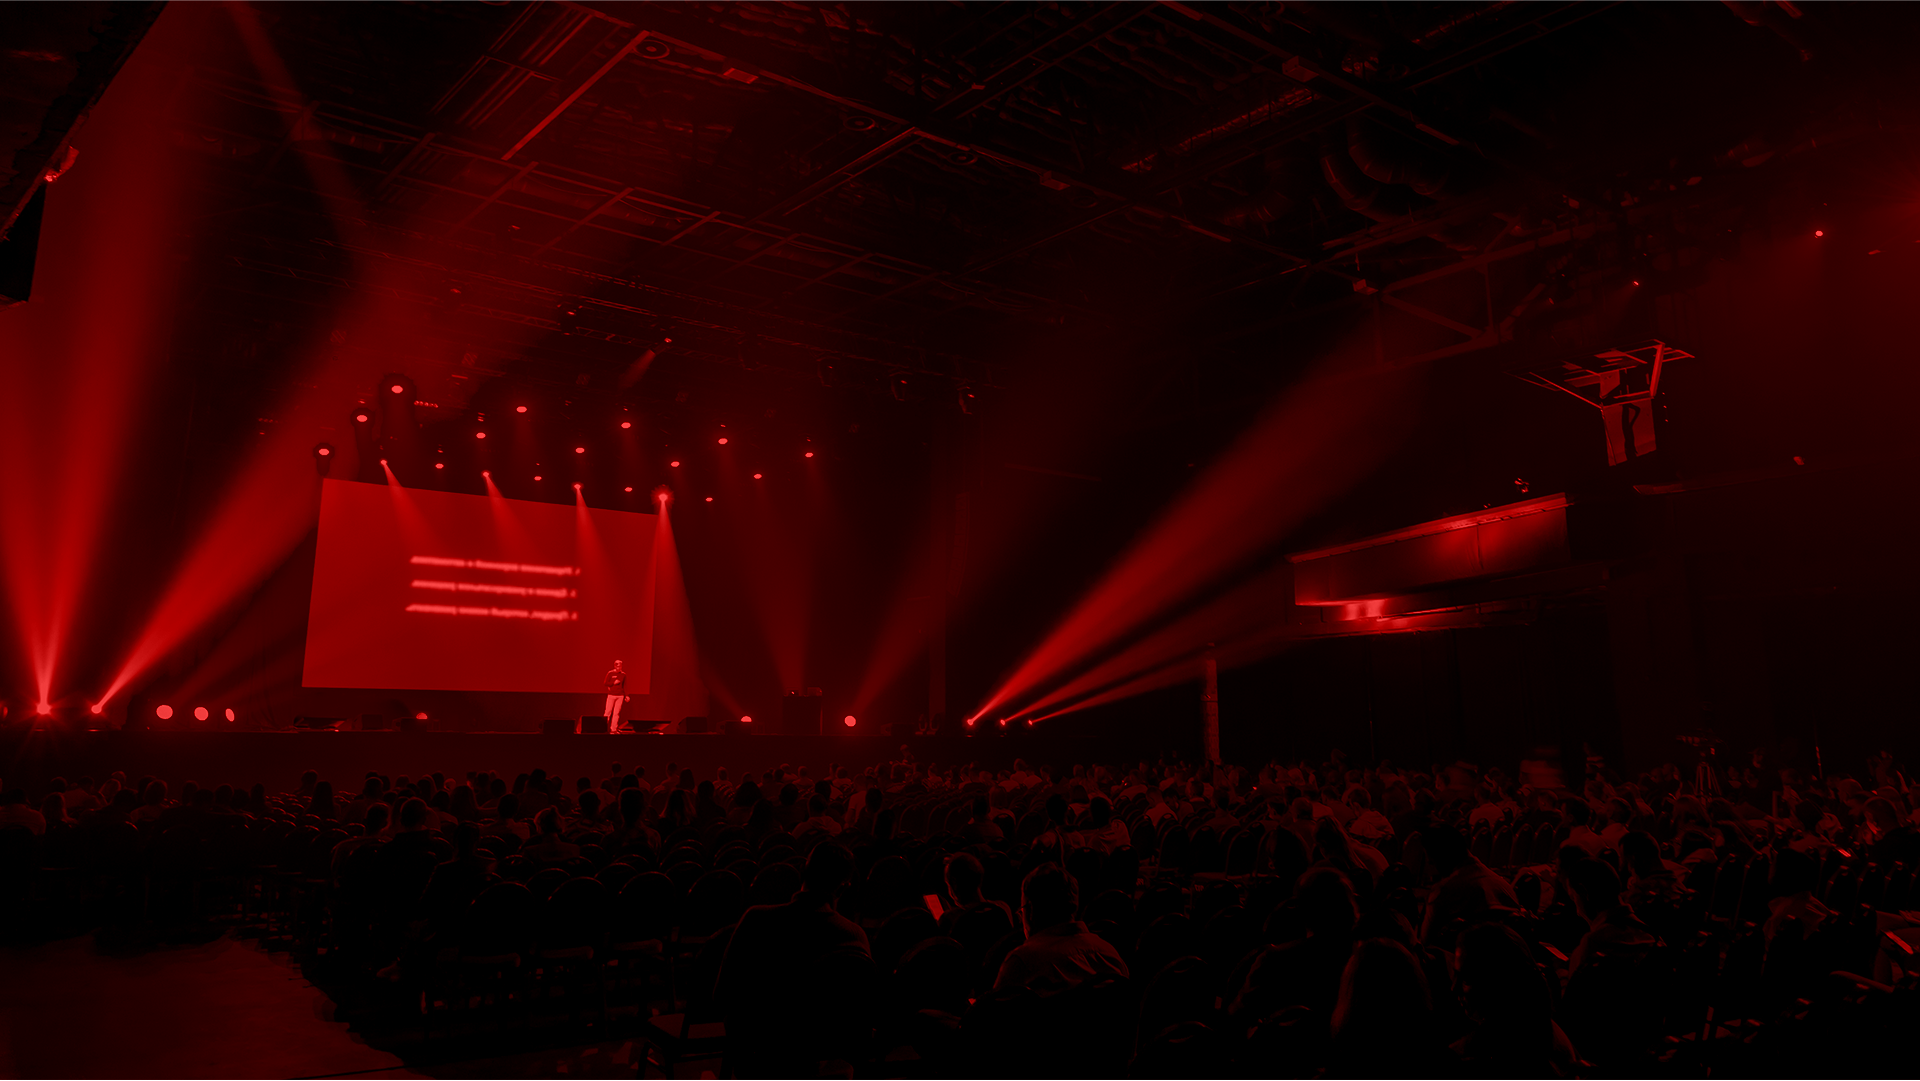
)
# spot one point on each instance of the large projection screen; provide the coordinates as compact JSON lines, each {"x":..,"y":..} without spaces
{"x":424,"y":590}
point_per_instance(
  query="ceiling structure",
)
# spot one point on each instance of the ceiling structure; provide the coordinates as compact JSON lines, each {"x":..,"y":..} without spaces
{"x":889,"y":194}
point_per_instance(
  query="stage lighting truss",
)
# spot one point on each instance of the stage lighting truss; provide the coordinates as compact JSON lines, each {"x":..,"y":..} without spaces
{"x":1622,"y":384}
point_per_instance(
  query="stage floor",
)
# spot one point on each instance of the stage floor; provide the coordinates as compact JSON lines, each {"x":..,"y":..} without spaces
{"x":277,"y":759}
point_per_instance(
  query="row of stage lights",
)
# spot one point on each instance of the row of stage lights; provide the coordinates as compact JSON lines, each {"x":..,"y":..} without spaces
{"x":200,"y":713}
{"x":849,"y":720}
{"x":367,"y":418}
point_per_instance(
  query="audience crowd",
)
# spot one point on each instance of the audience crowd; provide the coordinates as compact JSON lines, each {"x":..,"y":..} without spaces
{"x":1146,"y":919}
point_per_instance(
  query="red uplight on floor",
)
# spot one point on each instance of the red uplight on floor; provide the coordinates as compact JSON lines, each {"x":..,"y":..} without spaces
{"x":199,"y":713}
{"x":626,"y":424}
{"x":230,"y":715}
{"x":848,"y":720}
{"x":164,"y":712}
{"x":723,"y":440}
{"x":519,"y":408}
{"x":579,"y":450}
{"x":397,"y":389}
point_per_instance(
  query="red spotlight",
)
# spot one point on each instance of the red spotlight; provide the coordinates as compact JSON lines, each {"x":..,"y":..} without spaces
{"x":629,"y":488}
{"x":576,"y":485}
{"x":1819,"y":232}
{"x":199,"y":713}
{"x":323,"y":451}
{"x":164,"y":712}
{"x":479,"y":435}
{"x":383,"y":461}
{"x":97,"y":708}
{"x":1003,"y":722}
{"x":397,"y":389}
{"x":756,"y":476}
{"x":230,"y":715}
{"x":439,"y":465}
{"x":579,"y":450}
{"x":536,"y":476}
{"x":44,"y":709}
{"x":970,"y":722}
{"x":723,"y":440}
{"x":1636,"y":283}
{"x":626,"y":424}
{"x":486,"y":473}
{"x":848,"y":720}
{"x":676,"y":465}
{"x":420,"y":716}
{"x":360,"y":418}
{"x":709,"y":499}
{"x":519,"y":408}
{"x":809,"y":454}
{"x":744,"y":719}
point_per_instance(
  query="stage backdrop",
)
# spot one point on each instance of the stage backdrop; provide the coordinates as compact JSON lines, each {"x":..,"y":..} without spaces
{"x":423,"y":590}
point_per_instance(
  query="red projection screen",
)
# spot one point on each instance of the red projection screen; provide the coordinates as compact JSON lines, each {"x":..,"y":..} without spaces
{"x":424,"y":590}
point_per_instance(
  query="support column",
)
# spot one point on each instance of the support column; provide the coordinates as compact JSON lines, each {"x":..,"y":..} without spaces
{"x":1210,"y":709}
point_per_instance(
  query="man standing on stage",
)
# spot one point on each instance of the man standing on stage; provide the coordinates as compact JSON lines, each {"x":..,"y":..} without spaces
{"x":616,"y":696}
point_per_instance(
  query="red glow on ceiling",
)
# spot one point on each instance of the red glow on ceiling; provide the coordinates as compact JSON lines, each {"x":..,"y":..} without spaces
{"x":676,"y":465}
{"x":629,"y":489}
{"x":809,"y":454}
{"x":756,"y":476}
{"x":439,"y":465}
{"x":397,"y":389}
{"x":848,"y":720}
{"x":230,"y":715}
{"x":200,"y":713}
{"x":723,"y":440}
{"x":626,"y":424}
{"x":519,"y":408}
{"x":536,"y":476}
{"x":479,"y":435}
{"x":164,"y":712}
{"x":709,"y":499}
{"x":1819,"y":232}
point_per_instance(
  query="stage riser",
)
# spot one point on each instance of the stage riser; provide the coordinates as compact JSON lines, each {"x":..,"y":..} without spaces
{"x":277,"y":759}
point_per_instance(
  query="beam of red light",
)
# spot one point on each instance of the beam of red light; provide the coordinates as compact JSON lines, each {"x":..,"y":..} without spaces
{"x":676,"y":688}
{"x":1310,"y":445}
{"x":79,"y":358}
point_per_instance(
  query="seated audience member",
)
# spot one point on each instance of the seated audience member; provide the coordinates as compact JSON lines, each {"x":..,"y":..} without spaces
{"x":15,"y":814}
{"x":776,"y":1028}
{"x":1576,"y":826}
{"x":1314,"y":932}
{"x":1611,"y":924}
{"x":981,"y":828}
{"x":1104,"y":833}
{"x":547,"y":845}
{"x":1383,"y":1021}
{"x":1509,"y":1011}
{"x":507,"y":821}
{"x":818,"y":820}
{"x":1466,"y":892}
{"x":976,"y":921}
{"x":1157,"y":811}
{"x":1059,"y":953}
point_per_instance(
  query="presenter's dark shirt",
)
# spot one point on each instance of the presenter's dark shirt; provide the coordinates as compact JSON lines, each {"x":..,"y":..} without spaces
{"x":616,"y":682}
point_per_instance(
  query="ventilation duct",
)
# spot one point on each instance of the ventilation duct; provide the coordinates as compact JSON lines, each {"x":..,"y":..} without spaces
{"x":1391,"y":159}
